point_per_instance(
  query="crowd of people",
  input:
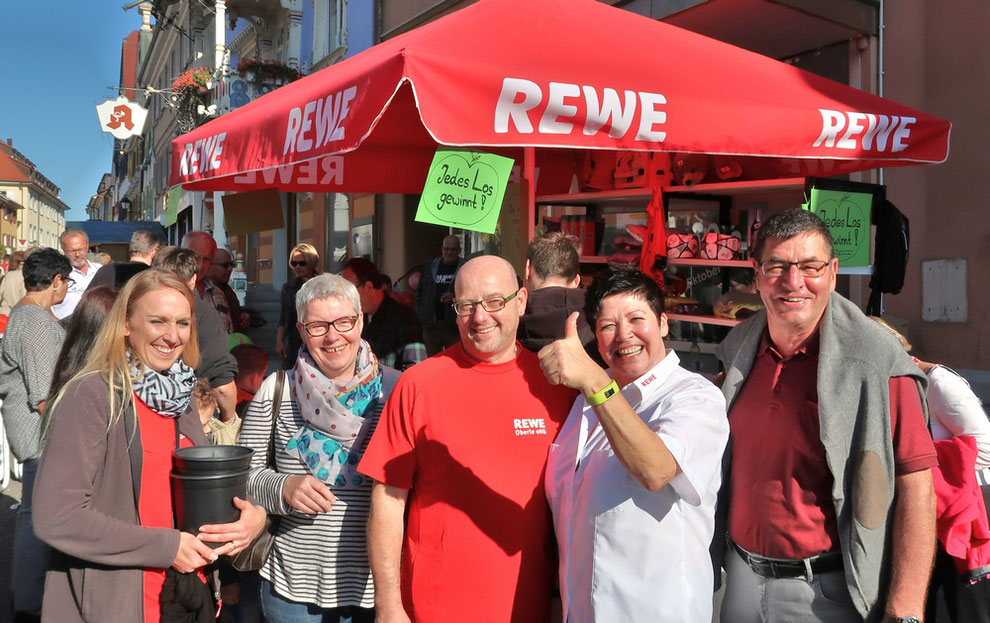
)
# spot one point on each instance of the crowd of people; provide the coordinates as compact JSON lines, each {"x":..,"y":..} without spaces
{"x":494,"y":447}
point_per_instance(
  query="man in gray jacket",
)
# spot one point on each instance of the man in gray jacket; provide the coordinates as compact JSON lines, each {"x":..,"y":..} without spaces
{"x":831,"y":509}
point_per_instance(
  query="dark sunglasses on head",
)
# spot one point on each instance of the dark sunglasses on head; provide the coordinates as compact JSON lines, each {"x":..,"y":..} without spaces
{"x":295,"y":263}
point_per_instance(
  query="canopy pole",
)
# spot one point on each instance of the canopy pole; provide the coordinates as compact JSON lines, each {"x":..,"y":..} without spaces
{"x":529,"y":174}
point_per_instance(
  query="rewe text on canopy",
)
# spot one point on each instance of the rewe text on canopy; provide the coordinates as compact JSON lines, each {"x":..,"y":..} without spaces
{"x":317,"y":122}
{"x":520,"y":96}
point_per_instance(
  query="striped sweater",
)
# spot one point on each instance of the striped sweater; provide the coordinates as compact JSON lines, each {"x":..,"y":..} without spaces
{"x":321,"y":560}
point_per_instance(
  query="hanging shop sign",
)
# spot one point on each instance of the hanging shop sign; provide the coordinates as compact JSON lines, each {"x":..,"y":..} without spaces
{"x":121,"y":117}
{"x":464,"y":189}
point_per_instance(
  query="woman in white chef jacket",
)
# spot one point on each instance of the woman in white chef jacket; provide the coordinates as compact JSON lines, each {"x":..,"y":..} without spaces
{"x":633,"y":476}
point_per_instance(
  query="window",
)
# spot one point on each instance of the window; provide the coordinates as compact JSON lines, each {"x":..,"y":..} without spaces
{"x":329,"y":27}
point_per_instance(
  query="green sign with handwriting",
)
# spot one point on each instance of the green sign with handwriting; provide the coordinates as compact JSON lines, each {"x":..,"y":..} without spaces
{"x":847,"y":215}
{"x":464,"y":189}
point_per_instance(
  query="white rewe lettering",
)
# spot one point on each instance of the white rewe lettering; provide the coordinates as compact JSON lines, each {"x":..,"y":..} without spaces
{"x":565,"y":108}
{"x":184,"y":160}
{"x":194,"y":159}
{"x":556,"y":108}
{"x":621,"y":114}
{"x":530,"y":426}
{"x":215,"y":157}
{"x":876,"y":132}
{"x":508,"y":108}
{"x":203,"y":155}
{"x":317,"y":122}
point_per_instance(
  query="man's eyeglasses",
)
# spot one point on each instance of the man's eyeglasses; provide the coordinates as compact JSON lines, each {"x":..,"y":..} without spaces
{"x":295,"y":263}
{"x":807,"y":268}
{"x":224,"y":264}
{"x":319,"y":328}
{"x":490,"y":305}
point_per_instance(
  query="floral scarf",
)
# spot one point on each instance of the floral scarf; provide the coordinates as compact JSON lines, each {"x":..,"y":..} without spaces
{"x":334,"y":417}
{"x":165,"y":393}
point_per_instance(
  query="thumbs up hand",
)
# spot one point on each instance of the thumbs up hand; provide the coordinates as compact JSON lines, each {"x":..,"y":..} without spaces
{"x":565,"y":362}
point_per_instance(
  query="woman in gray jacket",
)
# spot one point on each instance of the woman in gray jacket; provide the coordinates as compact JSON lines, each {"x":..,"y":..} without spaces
{"x":102,"y":495}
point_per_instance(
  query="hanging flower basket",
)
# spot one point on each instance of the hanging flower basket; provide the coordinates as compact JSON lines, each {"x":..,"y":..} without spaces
{"x":194,"y":82}
{"x":189,"y":94}
{"x":267,"y":72}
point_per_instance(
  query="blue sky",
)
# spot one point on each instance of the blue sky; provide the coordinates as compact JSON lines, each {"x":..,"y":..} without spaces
{"x":58,"y":58}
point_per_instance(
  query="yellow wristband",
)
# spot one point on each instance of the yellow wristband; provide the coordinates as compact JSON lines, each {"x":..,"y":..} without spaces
{"x":602,"y":395}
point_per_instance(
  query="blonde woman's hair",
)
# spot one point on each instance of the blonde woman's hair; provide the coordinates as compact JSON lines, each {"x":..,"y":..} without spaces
{"x":109,"y":357}
{"x":900,"y":338}
{"x":309,"y":252}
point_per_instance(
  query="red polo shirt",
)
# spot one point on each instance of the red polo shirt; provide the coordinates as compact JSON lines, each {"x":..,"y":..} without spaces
{"x":781,"y":485}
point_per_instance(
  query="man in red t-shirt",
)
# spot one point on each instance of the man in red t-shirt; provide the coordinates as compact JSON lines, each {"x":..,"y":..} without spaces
{"x":831,"y":510}
{"x":462,"y":446}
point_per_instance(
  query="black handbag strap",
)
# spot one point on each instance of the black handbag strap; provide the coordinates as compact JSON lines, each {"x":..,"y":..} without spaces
{"x":276,"y":407}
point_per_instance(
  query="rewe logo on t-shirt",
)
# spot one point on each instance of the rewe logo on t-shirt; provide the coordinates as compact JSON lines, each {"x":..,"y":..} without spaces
{"x":527,"y":426}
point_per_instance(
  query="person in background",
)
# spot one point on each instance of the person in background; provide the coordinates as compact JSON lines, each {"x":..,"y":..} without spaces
{"x":215,"y":363}
{"x":553,"y":282}
{"x":406,"y":287}
{"x":304,"y":261}
{"x":392,"y":329}
{"x":142,"y":249}
{"x":223,"y":265}
{"x":330,"y":404}
{"x":435,"y":294}
{"x":831,"y":508}
{"x":75,"y":246}
{"x":252,"y":368}
{"x":80,"y":336}
{"x":634,"y":474}
{"x":205,"y":248}
{"x":458,"y":460}
{"x":12,"y":285}
{"x":105,"y":258}
{"x":28,"y":354}
{"x":103,"y":478}
{"x":955,"y":411}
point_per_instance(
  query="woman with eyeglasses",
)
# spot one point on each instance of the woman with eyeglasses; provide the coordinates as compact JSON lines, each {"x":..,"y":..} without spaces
{"x":303,"y":259}
{"x":27,"y":364}
{"x":329,"y":405}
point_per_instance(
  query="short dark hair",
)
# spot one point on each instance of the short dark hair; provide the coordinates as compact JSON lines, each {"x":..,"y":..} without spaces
{"x":555,"y":254}
{"x":40,"y":268}
{"x":143,"y":242}
{"x":179,"y":261}
{"x":621,"y":280}
{"x":365,"y":270}
{"x":80,"y":337}
{"x":250,"y":358}
{"x":786,"y":224}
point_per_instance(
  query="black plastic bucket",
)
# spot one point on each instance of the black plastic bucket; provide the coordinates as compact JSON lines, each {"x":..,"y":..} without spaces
{"x":203,"y":460}
{"x":207,"y":499}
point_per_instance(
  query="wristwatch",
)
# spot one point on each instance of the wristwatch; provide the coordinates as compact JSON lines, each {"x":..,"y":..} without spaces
{"x":892,"y":619}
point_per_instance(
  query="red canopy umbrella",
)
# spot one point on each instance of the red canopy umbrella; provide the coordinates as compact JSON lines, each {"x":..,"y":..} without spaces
{"x":500,"y":75}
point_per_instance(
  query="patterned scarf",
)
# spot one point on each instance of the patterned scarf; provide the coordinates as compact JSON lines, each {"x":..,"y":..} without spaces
{"x":334,"y":415}
{"x":165,"y":393}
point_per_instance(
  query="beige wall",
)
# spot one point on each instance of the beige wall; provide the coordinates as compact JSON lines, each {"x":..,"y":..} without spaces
{"x":43,"y":216}
{"x":936,"y":57}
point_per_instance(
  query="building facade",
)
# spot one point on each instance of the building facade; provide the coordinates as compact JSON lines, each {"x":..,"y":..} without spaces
{"x":39,"y":213}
